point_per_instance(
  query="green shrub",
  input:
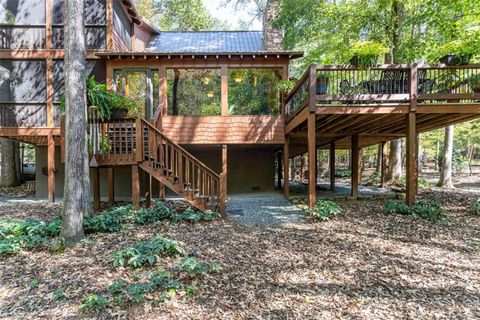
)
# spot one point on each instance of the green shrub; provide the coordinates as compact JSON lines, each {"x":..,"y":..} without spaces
{"x":429,"y":210}
{"x":324,"y":210}
{"x":343,"y":173}
{"x":148,"y":251}
{"x":426,"y":209}
{"x":107,"y":222}
{"x":476,"y":207}
{"x":192,"y":266}
{"x":396,"y":207}
{"x":94,"y":302}
{"x":373,"y":178}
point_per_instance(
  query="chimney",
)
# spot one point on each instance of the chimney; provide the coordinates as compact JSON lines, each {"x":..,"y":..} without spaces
{"x":272,"y":37}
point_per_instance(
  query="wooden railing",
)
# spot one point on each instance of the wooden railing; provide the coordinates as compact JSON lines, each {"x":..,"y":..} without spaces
{"x":383,"y":84}
{"x":193,"y":178}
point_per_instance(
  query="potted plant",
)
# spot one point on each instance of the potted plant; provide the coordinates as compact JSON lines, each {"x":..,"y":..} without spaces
{"x":366,"y":53}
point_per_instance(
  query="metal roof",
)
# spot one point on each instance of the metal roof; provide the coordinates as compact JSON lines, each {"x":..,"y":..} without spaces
{"x":207,"y":42}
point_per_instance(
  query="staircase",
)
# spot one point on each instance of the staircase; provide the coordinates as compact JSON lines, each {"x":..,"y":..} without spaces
{"x":177,"y":169}
{"x":139,"y":142}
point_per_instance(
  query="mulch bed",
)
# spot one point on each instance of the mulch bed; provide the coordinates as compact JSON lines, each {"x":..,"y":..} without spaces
{"x":362,"y":264}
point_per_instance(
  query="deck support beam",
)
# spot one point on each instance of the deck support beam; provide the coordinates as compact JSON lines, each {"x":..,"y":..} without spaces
{"x":411,"y":159}
{"x":286,"y":168}
{"x":51,"y":168}
{"x":223,"y":183}
{"x":135,"y":186}
{"x":279,"y":170}
{"x":332,"y":167}
{"x":382,"y":164}
{"x":312,"y":179}
{"x":355,"y":164}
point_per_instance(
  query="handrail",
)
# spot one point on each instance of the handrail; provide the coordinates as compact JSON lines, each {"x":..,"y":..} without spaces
{"x":143,"y":120}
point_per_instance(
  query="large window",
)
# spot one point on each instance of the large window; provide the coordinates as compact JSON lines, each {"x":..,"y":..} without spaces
{"x":254,"y":91}
{"x":22,"y":24}
{"x":193,"y":92}
{"x":95,"y":24}
{"x":23,"y":93}
{"x":141,"y":85}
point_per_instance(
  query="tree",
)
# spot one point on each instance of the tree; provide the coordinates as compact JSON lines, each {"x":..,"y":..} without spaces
{"x":446,"y":170}
{"x":10,"y":171}
{"x":77,"y":197}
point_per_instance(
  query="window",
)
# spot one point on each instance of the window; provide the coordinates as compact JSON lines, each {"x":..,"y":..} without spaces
{"x":254,"y":91}
{"x":22,"y":24}
{"x":141,"y":85}
{"x":95,"y":24}
{"x":193,"y":92}
{"x":122,"y":24}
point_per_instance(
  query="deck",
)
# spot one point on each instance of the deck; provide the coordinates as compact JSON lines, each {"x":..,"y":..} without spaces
{"x":343,"y":107}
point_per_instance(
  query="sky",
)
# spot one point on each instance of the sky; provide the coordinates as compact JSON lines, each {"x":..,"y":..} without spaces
{"x":230,"y":15}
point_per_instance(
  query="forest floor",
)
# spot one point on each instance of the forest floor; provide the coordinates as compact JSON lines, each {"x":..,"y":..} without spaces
{"x":362,"y":264}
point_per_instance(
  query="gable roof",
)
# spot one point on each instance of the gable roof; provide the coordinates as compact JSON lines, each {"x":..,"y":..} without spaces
{"x":207,"y":42}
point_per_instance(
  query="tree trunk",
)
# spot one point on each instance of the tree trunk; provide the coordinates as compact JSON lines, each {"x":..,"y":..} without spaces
{"x":395,"y":160}
{"x":446,"y":170}
{"x":77,"y":197}
{"x":10,"y":174}
{"x":379,"y":158}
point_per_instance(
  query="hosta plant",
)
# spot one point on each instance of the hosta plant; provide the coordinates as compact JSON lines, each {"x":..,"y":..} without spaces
{"x":324,"y":210}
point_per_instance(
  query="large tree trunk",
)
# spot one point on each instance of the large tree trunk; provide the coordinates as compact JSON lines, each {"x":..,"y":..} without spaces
{"x":10,"y":174}
{"x":175,"y":92}
{"x":77,"y":196}
{"x":446,"y":170}
{"x":395,"y":160}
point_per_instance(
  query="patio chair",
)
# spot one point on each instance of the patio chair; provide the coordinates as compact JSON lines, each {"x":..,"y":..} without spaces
{"x":393,"y":81}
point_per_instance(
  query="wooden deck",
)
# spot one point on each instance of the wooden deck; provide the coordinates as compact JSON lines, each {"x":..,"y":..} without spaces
{"x":344,"y":107}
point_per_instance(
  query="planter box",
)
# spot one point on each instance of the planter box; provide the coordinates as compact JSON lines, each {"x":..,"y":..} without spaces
{"x":454,"y":60}
{"x":119,"y":113}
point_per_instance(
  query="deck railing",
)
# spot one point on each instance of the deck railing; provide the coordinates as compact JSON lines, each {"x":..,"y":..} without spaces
{"x":383,"y":84}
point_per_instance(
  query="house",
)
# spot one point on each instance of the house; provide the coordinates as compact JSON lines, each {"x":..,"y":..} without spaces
{"x":200,"y":134}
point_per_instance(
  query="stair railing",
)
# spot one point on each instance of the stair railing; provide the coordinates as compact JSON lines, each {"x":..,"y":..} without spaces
{"x":194,"y":179}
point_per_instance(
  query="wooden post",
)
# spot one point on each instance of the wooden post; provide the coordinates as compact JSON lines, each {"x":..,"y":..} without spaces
{"x":332,"y":166}
{"x":286,"y":168}
{"x":148,"y":190}
{"x":138,"y":140}
{"x":312,"y":179}
{"x":96,"y":188}
{"x":224,"y":91}
{"x":411,"y":158}
{"x":382,"y":164}
{"x":111,"y":185}
{"x":223,"y":184}
{"x":419,"y":163}
{"x":302,"y":167}
{"x":161,"y":190}
{"x":109,"y":14}
{"x":279,"y":170}
{"x":355,"y":164}
{"x":135,"y":186}
{"x":51,"y":168}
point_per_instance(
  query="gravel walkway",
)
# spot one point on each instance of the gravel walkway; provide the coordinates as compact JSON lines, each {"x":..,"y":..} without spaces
{"x":263,"y":210}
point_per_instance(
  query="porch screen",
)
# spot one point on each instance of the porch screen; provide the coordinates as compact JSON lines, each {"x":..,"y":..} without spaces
{"x":254,"y":91}
{"x":193,"y":92}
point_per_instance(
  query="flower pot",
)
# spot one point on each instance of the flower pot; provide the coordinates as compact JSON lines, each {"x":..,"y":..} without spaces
{"x":119,"y":113}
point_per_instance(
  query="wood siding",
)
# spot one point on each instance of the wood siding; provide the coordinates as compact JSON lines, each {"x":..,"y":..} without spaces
{"x":224,"y":130}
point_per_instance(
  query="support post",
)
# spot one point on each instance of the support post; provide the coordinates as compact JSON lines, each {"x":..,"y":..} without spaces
{"x":148,"y":190}
{"x":135,"y":186}
{"x":411,"y":179}
{"x":332,"y":167}
{"x":223,"y":184}
{"x":51,"y":168}
{"x":279,"y":170}
{"x":224,"y":91}
{"x":96,"y":188}
{"x":286,"y":178}
{"x":161,"y":190}
{"x":382,"y":164}
{"x":312,"y":179}
{"x":355,"y":164}
{"x":111,"y":185}
{"x":302,"y":167}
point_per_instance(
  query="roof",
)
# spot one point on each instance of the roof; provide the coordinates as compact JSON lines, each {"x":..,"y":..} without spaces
{"x":207,"y":42}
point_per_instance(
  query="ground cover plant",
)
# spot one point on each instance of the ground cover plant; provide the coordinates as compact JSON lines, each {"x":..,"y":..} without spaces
{"x":324,"y":210}
{"x":425,"y":208}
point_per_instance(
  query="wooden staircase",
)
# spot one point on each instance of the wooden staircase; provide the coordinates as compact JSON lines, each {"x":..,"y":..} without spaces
{"x":177,"y":169}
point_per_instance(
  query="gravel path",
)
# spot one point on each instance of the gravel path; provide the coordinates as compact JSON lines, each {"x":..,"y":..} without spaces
{"x":263,"y":210}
